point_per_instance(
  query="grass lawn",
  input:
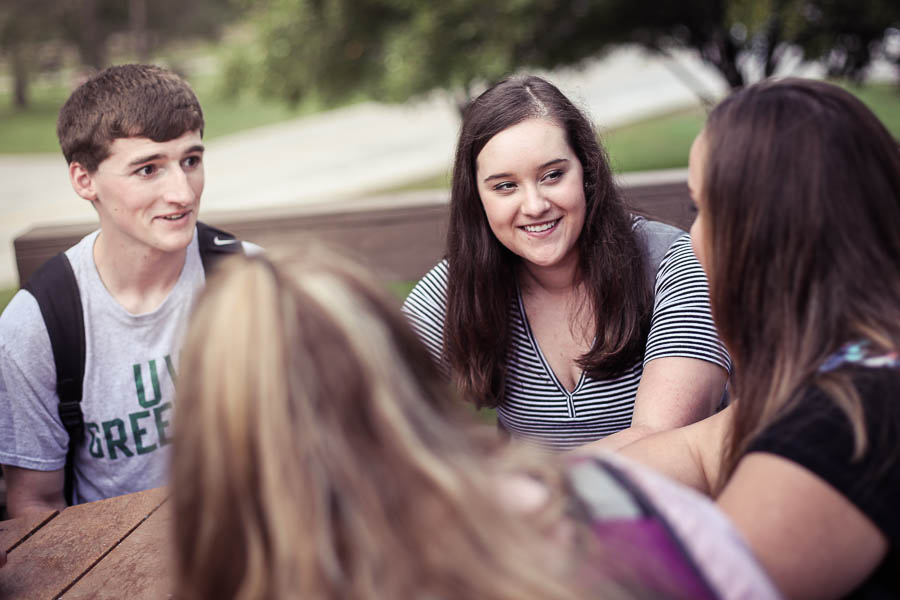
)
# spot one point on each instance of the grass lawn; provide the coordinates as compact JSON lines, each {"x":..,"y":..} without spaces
{"x":661,"y":142}
{"x":400,"y":289}
{"x":664,"y":142}
{"x":34,"y":129}
{"x":884,"y":100}
{"x":6,"y":295}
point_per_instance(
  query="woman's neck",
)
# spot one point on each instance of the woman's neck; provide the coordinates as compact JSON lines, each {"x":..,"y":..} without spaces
{"x":558,"y":280}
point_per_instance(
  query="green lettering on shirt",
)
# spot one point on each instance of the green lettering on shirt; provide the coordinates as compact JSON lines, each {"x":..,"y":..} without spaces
{"x":118,"y":442}
{"x":161,"y":425}
{"x":170,"y":367}
{"x":138,"y":432}
{"x":139,"y":385}
{"x":95,"y":446}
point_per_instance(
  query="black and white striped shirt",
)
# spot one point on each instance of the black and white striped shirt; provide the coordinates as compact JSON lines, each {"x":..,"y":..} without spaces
{"x":535,"y":404}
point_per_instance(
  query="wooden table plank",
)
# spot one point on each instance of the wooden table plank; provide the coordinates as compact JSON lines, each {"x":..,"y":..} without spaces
{"x":140,"y":568}
{"x":13,"y":531}
{"x":59,"y":553}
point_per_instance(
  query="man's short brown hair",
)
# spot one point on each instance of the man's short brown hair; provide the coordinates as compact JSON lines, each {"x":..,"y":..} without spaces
{"x":125,"y":101}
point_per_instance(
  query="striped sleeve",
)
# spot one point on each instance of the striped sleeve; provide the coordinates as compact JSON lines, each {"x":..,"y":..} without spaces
{"x":682,"y":323}
{"x":426,"y":308}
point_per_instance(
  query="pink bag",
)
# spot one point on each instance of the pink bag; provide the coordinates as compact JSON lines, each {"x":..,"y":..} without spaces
{"x":676,"y":538}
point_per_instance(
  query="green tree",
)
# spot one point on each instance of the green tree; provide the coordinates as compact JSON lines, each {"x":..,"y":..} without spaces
{"x":394,"y":49}
{"x":736,"y":35}
{"x":25,"y":25}
{"x":90,"y":24}
{"x":846,"y":34}
{"x":32,"y":29}
{"x":385,"y":49}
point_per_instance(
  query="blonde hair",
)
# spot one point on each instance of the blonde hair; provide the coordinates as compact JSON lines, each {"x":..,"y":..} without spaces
{"x":319,"y":454}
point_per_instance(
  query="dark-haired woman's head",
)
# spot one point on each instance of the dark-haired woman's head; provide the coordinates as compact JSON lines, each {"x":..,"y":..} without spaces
{"x":799,"y":194}
{"x":508,"y":105}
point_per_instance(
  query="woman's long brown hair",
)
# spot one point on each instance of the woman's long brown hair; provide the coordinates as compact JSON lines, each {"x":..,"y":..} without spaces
{"x":482,"y":272}
{"x":802,"y":199}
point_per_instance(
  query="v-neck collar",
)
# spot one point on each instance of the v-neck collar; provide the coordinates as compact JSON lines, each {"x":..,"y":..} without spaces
{"x":537,"y":350}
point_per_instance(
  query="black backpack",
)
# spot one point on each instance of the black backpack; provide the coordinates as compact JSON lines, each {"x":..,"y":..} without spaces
{"x":54,"y":287}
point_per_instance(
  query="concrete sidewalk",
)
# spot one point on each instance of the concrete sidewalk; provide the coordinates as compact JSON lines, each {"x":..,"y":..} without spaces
{"x":348,"y":152}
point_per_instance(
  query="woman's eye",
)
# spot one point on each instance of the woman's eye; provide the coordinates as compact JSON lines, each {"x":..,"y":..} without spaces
{"x":553,"y":175}
{"x":505,"y":186}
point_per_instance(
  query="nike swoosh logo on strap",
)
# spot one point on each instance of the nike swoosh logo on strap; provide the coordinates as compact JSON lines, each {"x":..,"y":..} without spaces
{"x":226,"y":242}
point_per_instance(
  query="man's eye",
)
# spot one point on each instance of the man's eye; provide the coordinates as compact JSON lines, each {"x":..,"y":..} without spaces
{"x":191,"y":161}
{"x":146,"y":170}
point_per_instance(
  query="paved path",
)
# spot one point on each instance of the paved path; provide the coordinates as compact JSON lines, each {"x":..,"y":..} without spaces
{"x":346,"y":152}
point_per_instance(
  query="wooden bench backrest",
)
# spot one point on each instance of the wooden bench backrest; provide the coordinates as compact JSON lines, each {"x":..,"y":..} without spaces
{"x":400,"y":236}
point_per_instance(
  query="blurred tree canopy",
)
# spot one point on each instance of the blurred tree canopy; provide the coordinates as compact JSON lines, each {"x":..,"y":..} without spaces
{"x":24,"y":26}
{"x":89,"y":24}
{"x":393,"y":49}
{"x":386,"y":49}
{"x":32,"y":30}
{"x":740,"y":36}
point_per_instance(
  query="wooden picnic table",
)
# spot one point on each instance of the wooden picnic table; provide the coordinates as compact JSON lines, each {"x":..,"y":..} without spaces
{"x":115,"y":548}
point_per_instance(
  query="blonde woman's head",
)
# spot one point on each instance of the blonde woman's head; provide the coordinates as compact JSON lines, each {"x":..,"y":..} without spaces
{"x":320,"y":454}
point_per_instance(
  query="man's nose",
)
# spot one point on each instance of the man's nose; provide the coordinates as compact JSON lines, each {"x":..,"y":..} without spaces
{"x":178,"y":187}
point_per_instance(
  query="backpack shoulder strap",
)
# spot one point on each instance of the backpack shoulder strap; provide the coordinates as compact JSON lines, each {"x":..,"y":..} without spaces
{"x":215,"y":244}
{"x":56,"y":290}
{"x":657,"y":237}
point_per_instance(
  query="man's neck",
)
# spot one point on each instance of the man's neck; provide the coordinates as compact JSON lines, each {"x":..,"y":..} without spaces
{"x":139,"y":278}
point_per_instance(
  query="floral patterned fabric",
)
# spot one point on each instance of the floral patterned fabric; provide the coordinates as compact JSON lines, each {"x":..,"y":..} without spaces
{"x":862,"y":354}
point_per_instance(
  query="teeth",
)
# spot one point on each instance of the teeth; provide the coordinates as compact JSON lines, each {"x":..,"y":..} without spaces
{"x":173,"y":217}
{"x":540,"y":228}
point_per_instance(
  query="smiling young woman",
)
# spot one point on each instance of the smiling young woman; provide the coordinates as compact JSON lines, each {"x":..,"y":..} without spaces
{"x":573,"y":317}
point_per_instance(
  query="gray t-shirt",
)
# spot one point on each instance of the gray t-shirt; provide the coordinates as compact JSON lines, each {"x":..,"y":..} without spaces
{"x":128,"y":392}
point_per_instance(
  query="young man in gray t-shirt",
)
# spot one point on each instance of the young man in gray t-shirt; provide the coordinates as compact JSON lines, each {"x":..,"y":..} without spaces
{"x":132,"y":138}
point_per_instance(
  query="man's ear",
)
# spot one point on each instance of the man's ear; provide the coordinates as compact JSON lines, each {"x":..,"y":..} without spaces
{"x":82,"y":181}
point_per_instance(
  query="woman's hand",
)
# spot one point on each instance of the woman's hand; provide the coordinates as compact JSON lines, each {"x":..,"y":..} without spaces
{"x":691,"y":455}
